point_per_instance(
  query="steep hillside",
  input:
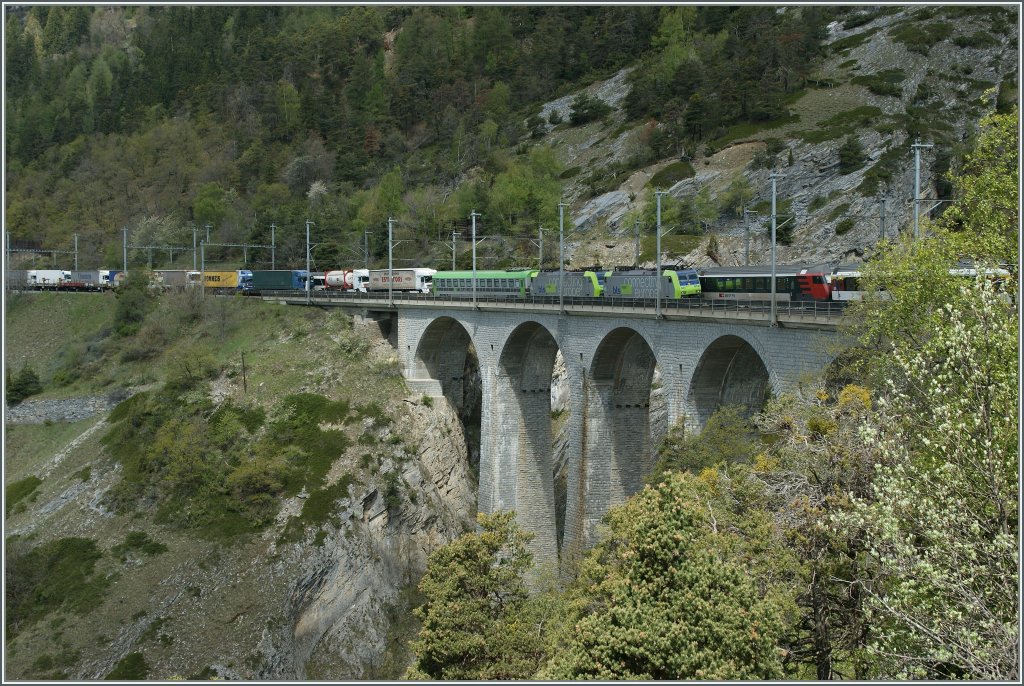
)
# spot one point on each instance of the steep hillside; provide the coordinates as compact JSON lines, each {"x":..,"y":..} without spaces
{"x":888,"y":77}
{"x":130,"y":559}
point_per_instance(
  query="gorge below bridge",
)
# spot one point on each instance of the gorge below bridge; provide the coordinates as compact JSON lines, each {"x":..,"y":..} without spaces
{"x":700,"y":359}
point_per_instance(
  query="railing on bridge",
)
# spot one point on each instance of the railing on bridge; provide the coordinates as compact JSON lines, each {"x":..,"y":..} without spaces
{"x":829,"y":311}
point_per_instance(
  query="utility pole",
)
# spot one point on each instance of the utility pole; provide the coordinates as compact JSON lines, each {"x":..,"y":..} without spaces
{"x":76,"y":252}
{"x":561,"y":257}
{"x":657,"y":258}
{"x":773,"y":321}
{"x":208,"y":233}
{"x":273,"y":244}
{"x":195,"y":255}
{"x":125,"y":248}
{"x":455,"y":235}
{"x":472,"y":216}
{"x":391,"y":294}
{"x":309,"y":275}
{"x":202,"y":269}
{"x":917,"y":185}
{"x":882,"y":218}
{"x":540,"y":246}
{"x":366,"y":250}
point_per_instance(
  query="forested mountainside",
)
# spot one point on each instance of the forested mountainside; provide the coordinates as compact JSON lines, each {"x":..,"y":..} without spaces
{"x":239,"y":117}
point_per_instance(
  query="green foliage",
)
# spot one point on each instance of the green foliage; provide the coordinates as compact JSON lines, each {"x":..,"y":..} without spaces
{"x":854,"y":41}
{"x":844,"y":226}
{"x":19,"y":490}
{"x":318,"y":509}
{"x":666,"y":596}
{"x":314,"y":448}
{"x":941,"y":517}
{"x":885,"y":82}
{"x":882,"y":172}
{"x":727,"y":437}
{"x":475,"y":596}
{"x":140,"y":541}
{"x":736,"y":197}
{"x":851,"y":155}
{"x":131,"y":667}
{"x":978,"y":39}
{"x":57,"y":575}
{"x":985,"y":218}
{"x":672,"y":174}
{"x":134,"y":302}
{"x":26,"y":383}
{"x":585,"y":108}
{"x":920,"y":37}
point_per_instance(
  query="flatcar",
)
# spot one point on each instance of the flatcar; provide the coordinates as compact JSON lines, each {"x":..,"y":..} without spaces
{"x":489,"y":283}
{"x":631,"y":282}
{"x":576,"y":284}
{"x":82,"y":280}
{"x":792,"y":283}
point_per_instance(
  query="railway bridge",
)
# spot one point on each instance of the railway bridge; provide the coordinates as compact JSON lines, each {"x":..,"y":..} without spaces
{"x":704,"y":357}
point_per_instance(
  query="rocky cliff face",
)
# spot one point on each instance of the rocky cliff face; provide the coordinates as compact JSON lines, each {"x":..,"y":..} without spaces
{"x":349,"y":612}
{"x":901,"y":73}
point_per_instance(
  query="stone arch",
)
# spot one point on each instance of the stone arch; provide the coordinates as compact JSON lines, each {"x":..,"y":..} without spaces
{"x":618,"y":446}
{"x":525,"y":367}
{"x":730,"y":372}
{"x":441,"y":354}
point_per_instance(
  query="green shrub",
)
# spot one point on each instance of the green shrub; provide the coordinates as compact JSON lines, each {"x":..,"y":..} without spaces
{"x":570,"y":172}
{"x":851,"y":155}
{"x":920,"y":38}
{"x":885,"y":82}
{"x":56,"y":575}
{"x":134,"y":301}
{"x":851,"y":42}
{"x":844,"y":226}
{"x":978,"y":39}
{"x":318,"y":509}
{"x":22,"y":385}
{"x":20,"y":490}
{"x":839,"y":211}
{"x":672,"y":174}
{"x":132,"y":667}
{"x":586,"y":108}
{"x":140,"y":541}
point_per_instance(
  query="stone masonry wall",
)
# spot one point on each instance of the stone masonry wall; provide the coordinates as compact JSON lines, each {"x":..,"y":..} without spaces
{"x":609,"y":365}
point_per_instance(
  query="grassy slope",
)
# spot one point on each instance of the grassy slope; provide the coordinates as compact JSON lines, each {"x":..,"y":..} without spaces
{"x":189,"y":607}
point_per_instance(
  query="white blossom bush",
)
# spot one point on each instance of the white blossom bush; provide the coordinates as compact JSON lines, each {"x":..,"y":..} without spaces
{"x":941,"y":523}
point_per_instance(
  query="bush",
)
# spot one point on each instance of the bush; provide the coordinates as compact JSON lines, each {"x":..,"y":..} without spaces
{"x":57,"y":575}
{"x":138,"y":540}
{"x":134,"y":301}
{"x":844,"y":226}
{"x":22,"y":385}
{"x":885,"y":82}
{"x":851,"y":155}
{"x":671,"y":175}
{"x":132,"y":667}
{"x":19,"y":490}
{"x":585,"y":109}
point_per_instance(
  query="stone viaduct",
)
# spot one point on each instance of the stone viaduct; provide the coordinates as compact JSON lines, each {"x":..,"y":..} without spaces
{"x":610,"y":360}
